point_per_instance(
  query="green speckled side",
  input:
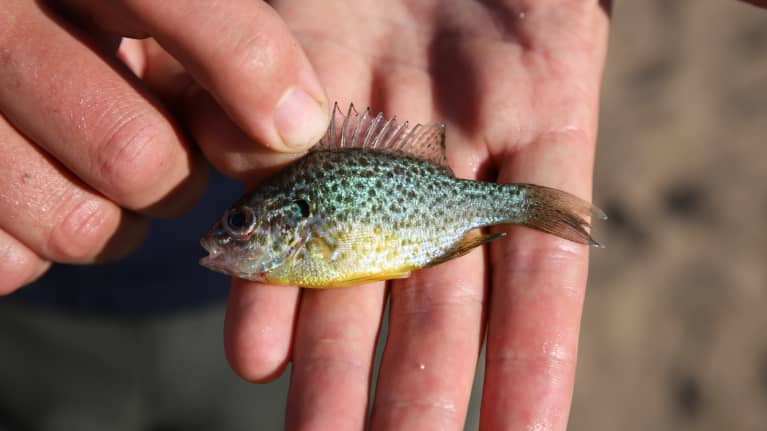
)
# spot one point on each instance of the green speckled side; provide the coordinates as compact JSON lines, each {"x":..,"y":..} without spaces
{"x":374,"y":200}
{"x":385,"y":213}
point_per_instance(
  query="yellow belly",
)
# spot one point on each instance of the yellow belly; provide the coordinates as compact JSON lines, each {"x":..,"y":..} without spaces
{"x":360,"y":256}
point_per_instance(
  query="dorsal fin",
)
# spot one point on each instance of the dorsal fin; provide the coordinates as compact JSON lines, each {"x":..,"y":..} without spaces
{"x":355,"y":130}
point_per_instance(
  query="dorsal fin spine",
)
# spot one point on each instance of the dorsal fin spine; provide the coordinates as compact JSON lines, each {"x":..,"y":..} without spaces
{"x":345,"y":126}
{"x":357,"y":127}
{"x":377,"y":133}
{"x":331,"y":135}
{"x":382,"y":134}
{"x":406,"y":137}
{"x":402,"y":135}
{"x":393,"y":135}
{"x":371,"y":130}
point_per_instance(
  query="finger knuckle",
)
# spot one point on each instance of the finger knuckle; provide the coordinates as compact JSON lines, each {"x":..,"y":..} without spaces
{"x":435,"y":300}
{"x":83,"y":231}
{"x":132,"y":160}
{"x":443,"y":409}
{"x":549,"y":359}
{"x":253,"y":55}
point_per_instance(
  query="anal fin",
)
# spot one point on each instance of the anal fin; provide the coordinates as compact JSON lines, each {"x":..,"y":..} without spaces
{"x":469,"y":242}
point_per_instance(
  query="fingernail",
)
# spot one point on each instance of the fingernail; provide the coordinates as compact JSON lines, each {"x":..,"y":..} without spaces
{"x":300,"y":119}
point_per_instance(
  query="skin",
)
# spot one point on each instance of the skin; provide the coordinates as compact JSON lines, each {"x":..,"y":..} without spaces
{"x":517,"y":82}
{"x":87,"y":151}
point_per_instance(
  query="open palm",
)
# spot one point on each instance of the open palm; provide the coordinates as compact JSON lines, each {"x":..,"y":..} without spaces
{"x":517,"y":85}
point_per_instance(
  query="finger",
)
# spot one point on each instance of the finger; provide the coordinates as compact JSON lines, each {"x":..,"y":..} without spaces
{"x":435,"y":333}
{"x":162,"y":73}
{"x":89,"y":113}
{"x":258,"y":330}
{"x":110,"y":17}
{"x":18,"y":264}
{"x":225,"y":145}
{"x":333,"y":357}
{"x":436,"y":322}
{"x":52,"y":213}
{"x":336,"y":334}
{"x":248,"y":60}
{"x":538,"y":287}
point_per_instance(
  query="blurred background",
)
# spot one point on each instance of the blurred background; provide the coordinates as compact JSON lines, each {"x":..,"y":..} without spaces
{"x":674,"y":331}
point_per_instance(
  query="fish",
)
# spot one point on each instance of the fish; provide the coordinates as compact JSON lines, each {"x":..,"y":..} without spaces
{"x":375,"y":199}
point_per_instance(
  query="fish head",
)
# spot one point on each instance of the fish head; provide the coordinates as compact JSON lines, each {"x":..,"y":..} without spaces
{"x":250,"y":240}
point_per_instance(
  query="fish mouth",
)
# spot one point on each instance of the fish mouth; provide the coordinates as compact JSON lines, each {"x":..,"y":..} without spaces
{"x":212,"y":260}
{"x":209,"y":262}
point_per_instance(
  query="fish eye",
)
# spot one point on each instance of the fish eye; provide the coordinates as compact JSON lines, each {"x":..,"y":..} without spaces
{"x":303,"y":207}
{"x":239,"y":222}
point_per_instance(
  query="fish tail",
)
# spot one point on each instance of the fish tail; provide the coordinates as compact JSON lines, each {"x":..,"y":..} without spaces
{"x":558,"y":213}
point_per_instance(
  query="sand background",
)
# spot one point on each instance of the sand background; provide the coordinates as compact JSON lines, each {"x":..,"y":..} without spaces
{"x":674,"y":331}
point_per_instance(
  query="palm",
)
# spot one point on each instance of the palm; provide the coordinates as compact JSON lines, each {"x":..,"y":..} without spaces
{"x":499,"y":84}
{"x":518,"y":90}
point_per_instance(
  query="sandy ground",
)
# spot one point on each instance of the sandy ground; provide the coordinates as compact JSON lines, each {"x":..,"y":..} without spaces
{"x":674,"y":325}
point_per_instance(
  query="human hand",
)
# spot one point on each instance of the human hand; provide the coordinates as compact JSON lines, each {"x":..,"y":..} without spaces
{"x":517,"y":83}
{"x":87,"y":151}
{"x":760,"y":3}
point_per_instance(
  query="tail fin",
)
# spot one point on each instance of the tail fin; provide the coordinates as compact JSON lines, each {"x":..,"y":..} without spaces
{"x":560,"y":213}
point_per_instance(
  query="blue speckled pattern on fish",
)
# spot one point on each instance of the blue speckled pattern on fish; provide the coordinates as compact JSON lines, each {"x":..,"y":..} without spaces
{"x":375,"y":200}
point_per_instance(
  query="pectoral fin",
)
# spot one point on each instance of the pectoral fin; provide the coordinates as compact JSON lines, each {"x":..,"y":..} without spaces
{"x":322,"y":247}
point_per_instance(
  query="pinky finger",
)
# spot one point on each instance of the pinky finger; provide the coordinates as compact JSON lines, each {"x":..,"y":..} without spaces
{"x":18,"y":264}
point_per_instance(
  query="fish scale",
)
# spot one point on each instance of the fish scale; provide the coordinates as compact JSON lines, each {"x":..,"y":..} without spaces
{"x":351,"y":211}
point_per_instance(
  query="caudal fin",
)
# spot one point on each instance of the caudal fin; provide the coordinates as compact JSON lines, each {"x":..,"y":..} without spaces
{"x":560,"y":213}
